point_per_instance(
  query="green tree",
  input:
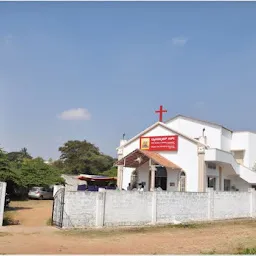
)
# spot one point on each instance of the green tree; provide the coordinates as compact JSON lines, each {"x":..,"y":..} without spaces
{"x":34,"y":172}
{"x":111,"y":172}
{"x":9,"y":172}
{"x":84,"y":157}
{"x":21,"y":172}
{"x":5,"y":170}
{"x":58,"y":164}
{"x":19,"y":156}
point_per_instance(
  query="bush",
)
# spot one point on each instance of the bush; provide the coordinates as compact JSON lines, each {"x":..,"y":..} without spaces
{"x":9,"y":220}
{"x":49,"y":222}
{"x":247,"y":251}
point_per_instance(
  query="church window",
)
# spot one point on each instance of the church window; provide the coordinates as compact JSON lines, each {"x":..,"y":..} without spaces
{"x":182,"y":182}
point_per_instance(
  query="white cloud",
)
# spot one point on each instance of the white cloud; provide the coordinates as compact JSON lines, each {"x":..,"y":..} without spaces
{"x":179,"y":41}
{"x":75,"y":114}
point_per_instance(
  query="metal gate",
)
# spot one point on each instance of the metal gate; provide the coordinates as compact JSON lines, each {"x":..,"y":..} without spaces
{"x":58,"y":208}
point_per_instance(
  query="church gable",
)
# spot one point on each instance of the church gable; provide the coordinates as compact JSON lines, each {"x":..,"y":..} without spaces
{"x":158,"y":138}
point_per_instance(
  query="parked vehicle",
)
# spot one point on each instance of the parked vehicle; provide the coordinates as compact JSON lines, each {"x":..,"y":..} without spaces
{"x":7,"y":200}
{"x":40,"y":193}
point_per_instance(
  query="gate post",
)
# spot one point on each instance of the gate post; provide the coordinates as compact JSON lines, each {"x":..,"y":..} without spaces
{"x":100,"y":208}
{"x":2,"y":201}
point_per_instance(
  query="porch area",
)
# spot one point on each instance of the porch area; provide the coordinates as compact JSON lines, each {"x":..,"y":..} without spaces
{"x":151,"y":171}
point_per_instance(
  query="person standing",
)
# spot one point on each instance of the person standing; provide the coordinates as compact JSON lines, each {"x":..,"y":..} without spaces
{"x":129,"y":187}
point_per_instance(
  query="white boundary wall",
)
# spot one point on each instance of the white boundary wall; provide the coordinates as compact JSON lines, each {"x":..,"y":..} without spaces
{"x":132,"y":208}
{"x":2,"y":201}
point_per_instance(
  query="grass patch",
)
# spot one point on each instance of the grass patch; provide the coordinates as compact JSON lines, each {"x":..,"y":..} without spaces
{"x":247,"y":250}
{"x":9,"y":219}
{"x":110,"y":231}
{"x":2,"y":234}
{"x":49,"y":222}
{"x":209,"y":252}
{"x":115,"y":231}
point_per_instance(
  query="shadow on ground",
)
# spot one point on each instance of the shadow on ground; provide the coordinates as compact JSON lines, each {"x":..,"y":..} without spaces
{"x":10,"y":209}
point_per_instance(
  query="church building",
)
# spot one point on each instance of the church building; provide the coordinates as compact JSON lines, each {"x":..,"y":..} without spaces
{"x":187,"y":154}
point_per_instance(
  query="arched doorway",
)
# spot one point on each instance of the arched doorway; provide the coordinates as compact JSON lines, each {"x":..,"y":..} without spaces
{"x":182,"y":181}
{"x":161,"y":178}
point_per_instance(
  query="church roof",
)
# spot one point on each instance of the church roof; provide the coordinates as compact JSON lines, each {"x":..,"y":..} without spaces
{"x":131,"y":160}
{"x":199,"y":121}
{"x":164,"y":126}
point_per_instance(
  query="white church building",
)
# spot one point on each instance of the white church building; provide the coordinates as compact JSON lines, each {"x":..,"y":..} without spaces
{"x":187,"y":154}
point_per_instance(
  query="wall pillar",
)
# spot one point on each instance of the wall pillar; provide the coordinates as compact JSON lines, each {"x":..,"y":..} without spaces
{"x":153,"y":174}
{"x":201,"y":169}
{"x":154,"y":208}
{"x":120,"y":154}
{"x":120,"y":176}
{"x":210,"y":192}
{"x":252,"y":202}
{"x":2,"y":201}
{"x":100,"y":208}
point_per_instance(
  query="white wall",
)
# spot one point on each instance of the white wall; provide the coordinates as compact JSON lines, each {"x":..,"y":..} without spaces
{"x":236,"y":181}
{"x":143,"y":175}
{"x":79,"y":209}
{"x":179,"y":206}
{"x":229,"y":205}
{"x":127,"y":172}
{"x":185,"y":157}
{"x":245,"y":141}
{"x":126,"y":208}
{"x":194,"y":129}
{"x":173,"y":176}
{"x":252,"y":150}
{"x":240,"y":141}
{"x":226,"y":138}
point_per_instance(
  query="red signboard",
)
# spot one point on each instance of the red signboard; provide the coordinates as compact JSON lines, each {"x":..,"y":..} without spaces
{"x":159,"y":143}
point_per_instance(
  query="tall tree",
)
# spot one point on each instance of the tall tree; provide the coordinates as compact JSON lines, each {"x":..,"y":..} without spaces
{"x":34,"y":172}
{"x":84,"y":157}
{"x":7,"y":170}
{"x":19,"y":156}
{"x":25,"y":154}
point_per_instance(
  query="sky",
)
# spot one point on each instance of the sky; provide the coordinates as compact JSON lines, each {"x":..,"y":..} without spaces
{"x":95,"y":70}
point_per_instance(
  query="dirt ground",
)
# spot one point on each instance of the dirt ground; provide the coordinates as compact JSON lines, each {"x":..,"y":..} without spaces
{"x":33,"y":236}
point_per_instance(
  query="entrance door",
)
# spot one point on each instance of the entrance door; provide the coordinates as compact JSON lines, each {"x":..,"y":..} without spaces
{"x":161,"y":178}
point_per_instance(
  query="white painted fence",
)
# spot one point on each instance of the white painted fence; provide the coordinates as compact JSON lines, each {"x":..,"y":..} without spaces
{"x":132,"y":208}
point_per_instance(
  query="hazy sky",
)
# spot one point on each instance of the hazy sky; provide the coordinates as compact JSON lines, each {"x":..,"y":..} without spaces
{"x":93,"y":71}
